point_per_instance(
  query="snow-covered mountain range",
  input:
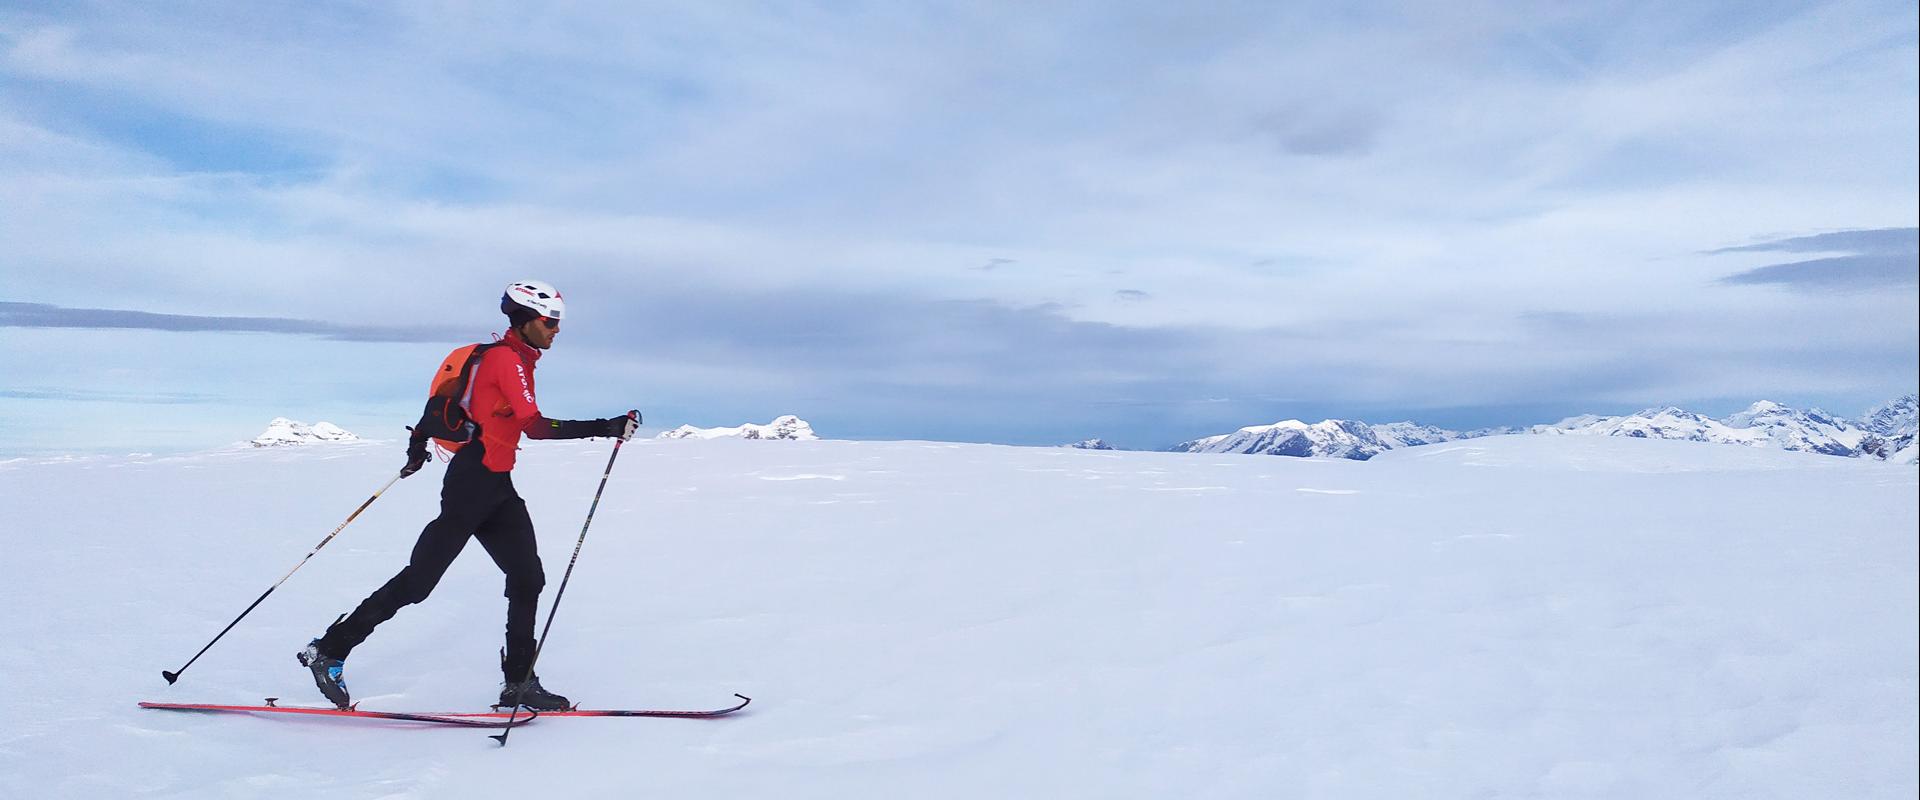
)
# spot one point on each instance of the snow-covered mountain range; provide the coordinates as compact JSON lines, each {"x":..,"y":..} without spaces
{"x":282,"y":432}
{"x":1894,"y":417}
{"x":1887,"y":432}
{"x":787,"y":427}
{"x":1334,"y":438}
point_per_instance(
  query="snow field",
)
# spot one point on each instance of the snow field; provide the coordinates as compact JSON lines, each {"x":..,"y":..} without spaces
{"x":1503,"y":617}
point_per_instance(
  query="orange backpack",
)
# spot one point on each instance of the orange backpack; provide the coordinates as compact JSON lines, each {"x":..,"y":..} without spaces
{"x":446,"y":419}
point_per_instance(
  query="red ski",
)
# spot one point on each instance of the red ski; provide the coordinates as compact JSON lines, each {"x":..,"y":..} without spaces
{"x":394,"y":716}
{"x":469,"y":719}
{"x":586,"y":712}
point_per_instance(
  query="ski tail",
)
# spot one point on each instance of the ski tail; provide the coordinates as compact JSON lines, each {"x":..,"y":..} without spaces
{"x":390,"y":716}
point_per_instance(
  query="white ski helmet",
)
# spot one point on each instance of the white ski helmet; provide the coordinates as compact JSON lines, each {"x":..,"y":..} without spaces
{"x":537,"y":296}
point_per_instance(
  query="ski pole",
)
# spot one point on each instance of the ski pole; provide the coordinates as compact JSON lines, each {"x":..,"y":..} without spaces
{"x":175,"y":675}
{"x":558,"y":593}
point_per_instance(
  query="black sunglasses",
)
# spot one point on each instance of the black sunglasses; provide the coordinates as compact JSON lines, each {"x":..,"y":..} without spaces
{"x":551,"y":323}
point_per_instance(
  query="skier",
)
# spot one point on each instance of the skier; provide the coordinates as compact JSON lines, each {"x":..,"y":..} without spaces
{"x":477,"y":500}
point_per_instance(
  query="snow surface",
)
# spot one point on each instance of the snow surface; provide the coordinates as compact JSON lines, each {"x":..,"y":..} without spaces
{"x":1519,"y":616}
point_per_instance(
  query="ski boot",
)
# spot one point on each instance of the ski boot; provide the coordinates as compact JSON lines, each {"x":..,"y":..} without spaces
{"x":530,"y":694}
{"x":328,"y":674}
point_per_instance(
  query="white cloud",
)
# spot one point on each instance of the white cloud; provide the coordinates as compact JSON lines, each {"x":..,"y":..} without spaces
{"x":1390,"y":185}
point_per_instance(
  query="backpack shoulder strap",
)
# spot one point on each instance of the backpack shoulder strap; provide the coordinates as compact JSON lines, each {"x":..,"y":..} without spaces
{"x":463,"y":390}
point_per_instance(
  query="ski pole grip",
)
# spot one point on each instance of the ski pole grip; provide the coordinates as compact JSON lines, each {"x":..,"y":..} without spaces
{"x":634,"y":414}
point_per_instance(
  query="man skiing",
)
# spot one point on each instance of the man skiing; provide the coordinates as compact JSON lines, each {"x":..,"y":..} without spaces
{"x":477,"y":500}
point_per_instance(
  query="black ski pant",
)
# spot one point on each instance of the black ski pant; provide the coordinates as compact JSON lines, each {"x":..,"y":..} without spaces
{"x":474,"y":502}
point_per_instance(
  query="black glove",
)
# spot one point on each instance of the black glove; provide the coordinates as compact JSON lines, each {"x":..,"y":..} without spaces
{"x":417,"y":456}
{"x":621,"y":426}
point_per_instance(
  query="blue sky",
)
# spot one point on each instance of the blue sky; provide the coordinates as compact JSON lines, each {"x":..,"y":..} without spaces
{"x":982,"y":222}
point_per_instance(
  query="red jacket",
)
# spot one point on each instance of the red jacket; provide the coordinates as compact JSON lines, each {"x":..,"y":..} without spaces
{"x":501,"y":393}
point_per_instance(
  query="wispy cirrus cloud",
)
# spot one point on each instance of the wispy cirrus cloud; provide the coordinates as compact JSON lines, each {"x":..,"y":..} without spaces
{"x":1877,"y":241}
{"x":43,"y":315}
{"x":1875,"y":259}
{"x":1838,"y":273}
{"x":95,"y":396}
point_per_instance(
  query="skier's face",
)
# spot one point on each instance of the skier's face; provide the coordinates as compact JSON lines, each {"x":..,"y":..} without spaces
{"x":540,"y":332}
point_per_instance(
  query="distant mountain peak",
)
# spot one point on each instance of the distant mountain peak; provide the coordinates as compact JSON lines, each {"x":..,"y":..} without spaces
{"x":1894,"y":417}
{"x":282,"y":432}
{"x":787,"y":427}
{"x":1333,"y":438}
{"x":1410,"y":434}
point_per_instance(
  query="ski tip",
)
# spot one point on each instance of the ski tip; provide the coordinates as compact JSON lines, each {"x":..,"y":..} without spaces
{"x":170,"y":676}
